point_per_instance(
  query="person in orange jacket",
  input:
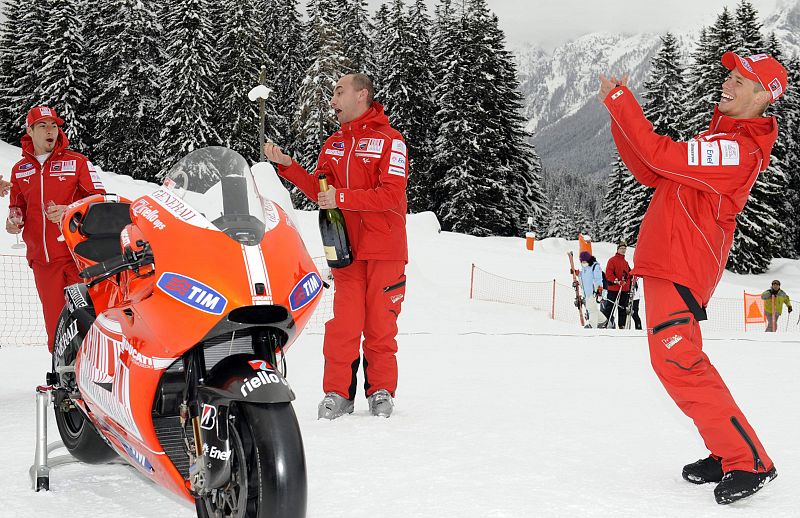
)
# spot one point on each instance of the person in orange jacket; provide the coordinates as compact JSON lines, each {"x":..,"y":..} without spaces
{"x":49,"y":177}
{"x":366,"y":166}
{"x":684,"y":241}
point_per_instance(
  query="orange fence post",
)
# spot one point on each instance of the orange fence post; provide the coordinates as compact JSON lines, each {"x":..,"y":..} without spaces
{"x":471,"y":280}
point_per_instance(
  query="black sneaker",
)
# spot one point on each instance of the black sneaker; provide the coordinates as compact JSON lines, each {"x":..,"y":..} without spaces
{"x":703,"y":471}
{"x":737,"y":484}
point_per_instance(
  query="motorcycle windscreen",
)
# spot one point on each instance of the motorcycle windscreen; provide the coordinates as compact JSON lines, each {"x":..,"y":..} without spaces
{"x":217,"y":182}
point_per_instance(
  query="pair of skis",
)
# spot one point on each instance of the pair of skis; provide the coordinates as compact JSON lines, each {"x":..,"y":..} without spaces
{"x":580,"y":303}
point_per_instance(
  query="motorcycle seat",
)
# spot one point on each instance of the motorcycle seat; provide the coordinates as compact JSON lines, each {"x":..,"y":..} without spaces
{"x":101,"y":226}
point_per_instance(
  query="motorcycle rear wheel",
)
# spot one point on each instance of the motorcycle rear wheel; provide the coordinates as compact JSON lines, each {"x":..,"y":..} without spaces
{"x":81,"y":438}
{"x":263,"y":437}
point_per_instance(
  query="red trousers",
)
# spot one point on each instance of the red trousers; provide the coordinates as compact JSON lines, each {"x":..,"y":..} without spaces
{"x":367,"y":302}
{"x":676,"y":353}
{"x":51,"y":279}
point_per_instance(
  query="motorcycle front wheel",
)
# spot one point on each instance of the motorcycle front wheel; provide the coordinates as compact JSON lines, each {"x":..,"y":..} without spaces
{"x":268,"y":466}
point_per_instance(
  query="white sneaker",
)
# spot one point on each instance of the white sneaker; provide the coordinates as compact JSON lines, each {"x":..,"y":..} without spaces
{"x":333,"y":405}
{"x":381,"y":403}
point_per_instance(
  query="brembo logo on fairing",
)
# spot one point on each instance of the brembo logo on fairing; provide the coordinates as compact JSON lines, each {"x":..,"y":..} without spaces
{"x":192,"y":293}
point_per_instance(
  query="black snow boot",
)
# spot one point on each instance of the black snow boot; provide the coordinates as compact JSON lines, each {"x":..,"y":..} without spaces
{"x":703,"y":471}
{"x":737,"y":484}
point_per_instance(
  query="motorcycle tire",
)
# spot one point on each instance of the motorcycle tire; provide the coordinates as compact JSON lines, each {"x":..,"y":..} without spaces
{"x":81,"y":438}
{"x":264,"y":436}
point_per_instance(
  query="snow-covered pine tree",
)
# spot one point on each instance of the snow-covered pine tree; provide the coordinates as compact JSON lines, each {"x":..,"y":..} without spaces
{"x":11,"y":71}
{"x":580,"y":222}
{"x":749,"y":37}
{"x":662,"y":106}
{"x":421,"y":110}
{"x":761,"y":226}
{"x":351,"y":20}
{"x":788,"y":114}
{"x":188,"y":81}
{"x":127,"y":91}
{"x":480,"y":192}
{"x":559,"y":224}
{"x":241,"y":55}
{"x":379,"y":39}
{"x":706,"y":73}
{"x":517,"y":155}
{"x":62,"y":74}
{"x":612,"y":219}
{"x":283,"y":35}
{"x":406,"y":90}
{"x":315,"y":120}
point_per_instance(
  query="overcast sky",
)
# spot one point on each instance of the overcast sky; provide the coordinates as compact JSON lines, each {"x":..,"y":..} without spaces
{"x":550,"y":23}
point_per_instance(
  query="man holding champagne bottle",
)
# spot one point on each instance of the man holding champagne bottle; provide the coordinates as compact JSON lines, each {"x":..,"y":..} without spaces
{"x":47,"y":179}
{"x":365,"y":164}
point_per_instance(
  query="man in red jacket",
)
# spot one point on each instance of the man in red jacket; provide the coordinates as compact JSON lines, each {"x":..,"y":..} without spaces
{"x":366,"y":165}
{"x":47,"y":179}
{"x":619,"y":285}
{"x":687,"y":232}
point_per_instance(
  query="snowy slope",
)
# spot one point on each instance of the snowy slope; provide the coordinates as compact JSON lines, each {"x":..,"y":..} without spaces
{"x":501,"y":412}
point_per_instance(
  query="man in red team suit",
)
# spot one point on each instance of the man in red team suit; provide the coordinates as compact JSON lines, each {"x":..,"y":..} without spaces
{"x":47,"y":179}
{"x":684,"y":241}
{"x":366,"y":165}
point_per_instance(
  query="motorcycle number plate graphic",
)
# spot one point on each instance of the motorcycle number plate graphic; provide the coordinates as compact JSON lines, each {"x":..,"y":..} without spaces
{"x":305,"y":291}
{"x":208,"y":418}
{"x":192,"y":293}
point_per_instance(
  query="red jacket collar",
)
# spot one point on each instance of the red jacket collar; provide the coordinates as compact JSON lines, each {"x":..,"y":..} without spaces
{"x":372,"y":118}
{"x":62,"y":143}
{"x":764,"y":130}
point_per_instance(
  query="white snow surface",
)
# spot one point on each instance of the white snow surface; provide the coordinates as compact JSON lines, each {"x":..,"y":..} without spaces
{"x":500,"y":411}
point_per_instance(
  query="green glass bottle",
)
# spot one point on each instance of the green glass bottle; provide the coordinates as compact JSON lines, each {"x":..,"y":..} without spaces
{"x":334,"y":233}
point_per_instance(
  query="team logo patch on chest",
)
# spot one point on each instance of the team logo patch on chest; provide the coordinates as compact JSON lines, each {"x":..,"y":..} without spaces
{"x":63,"y":167}
{"x":338,"y":145}
{"x":370,"y":145}
{"x":24,"y":174}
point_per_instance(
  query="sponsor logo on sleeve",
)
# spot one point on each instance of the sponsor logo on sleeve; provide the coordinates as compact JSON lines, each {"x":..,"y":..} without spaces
{"x":617,"y":94}
{"x":693,"y":157}
{"x":730,"y":152}
{"x":709,"y":153}
{"x":193,"y":293}
{"x":397,"y":171}
{"x":334,"y":152}
{"x":91,"y":167}
{"x":305,"y":291}
{"x":397,"y":159}
{"x":399,"y":146}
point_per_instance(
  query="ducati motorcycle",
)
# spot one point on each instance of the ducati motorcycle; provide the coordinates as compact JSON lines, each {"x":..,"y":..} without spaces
{"x":172,"y":354}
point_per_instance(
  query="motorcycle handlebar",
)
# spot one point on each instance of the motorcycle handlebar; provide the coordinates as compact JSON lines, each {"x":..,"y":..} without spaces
{"x":103,"y":267}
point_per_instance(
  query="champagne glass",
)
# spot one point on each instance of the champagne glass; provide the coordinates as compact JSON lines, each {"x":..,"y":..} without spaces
{"x":15,"y":216}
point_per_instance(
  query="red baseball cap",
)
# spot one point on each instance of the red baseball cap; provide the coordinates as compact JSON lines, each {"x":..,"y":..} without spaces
{"x":39,"y":113}
{"x":761,"y":68}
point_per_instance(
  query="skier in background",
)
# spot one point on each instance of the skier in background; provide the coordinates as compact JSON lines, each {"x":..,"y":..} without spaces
{"x":779,"y":297}
{"x":618,"y":272}
{"x":684,"y":241}
{"x":592,"y":282}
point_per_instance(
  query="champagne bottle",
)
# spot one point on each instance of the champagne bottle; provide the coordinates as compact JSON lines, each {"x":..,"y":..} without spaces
{"x":334,"y":233}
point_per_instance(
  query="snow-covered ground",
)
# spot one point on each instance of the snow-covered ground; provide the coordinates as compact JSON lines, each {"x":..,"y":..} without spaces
{"x":501,"y":412}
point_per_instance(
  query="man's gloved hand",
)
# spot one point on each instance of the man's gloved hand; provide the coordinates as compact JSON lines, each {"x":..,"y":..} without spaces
{"x":575,"y":284}
{"x":599,"y":291}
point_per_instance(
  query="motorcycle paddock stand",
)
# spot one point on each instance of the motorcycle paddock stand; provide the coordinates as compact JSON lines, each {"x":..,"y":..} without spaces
{"x":40,"y":470}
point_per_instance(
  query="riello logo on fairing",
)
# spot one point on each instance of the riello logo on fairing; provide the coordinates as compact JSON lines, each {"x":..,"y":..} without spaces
{"x":192,"y":293}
